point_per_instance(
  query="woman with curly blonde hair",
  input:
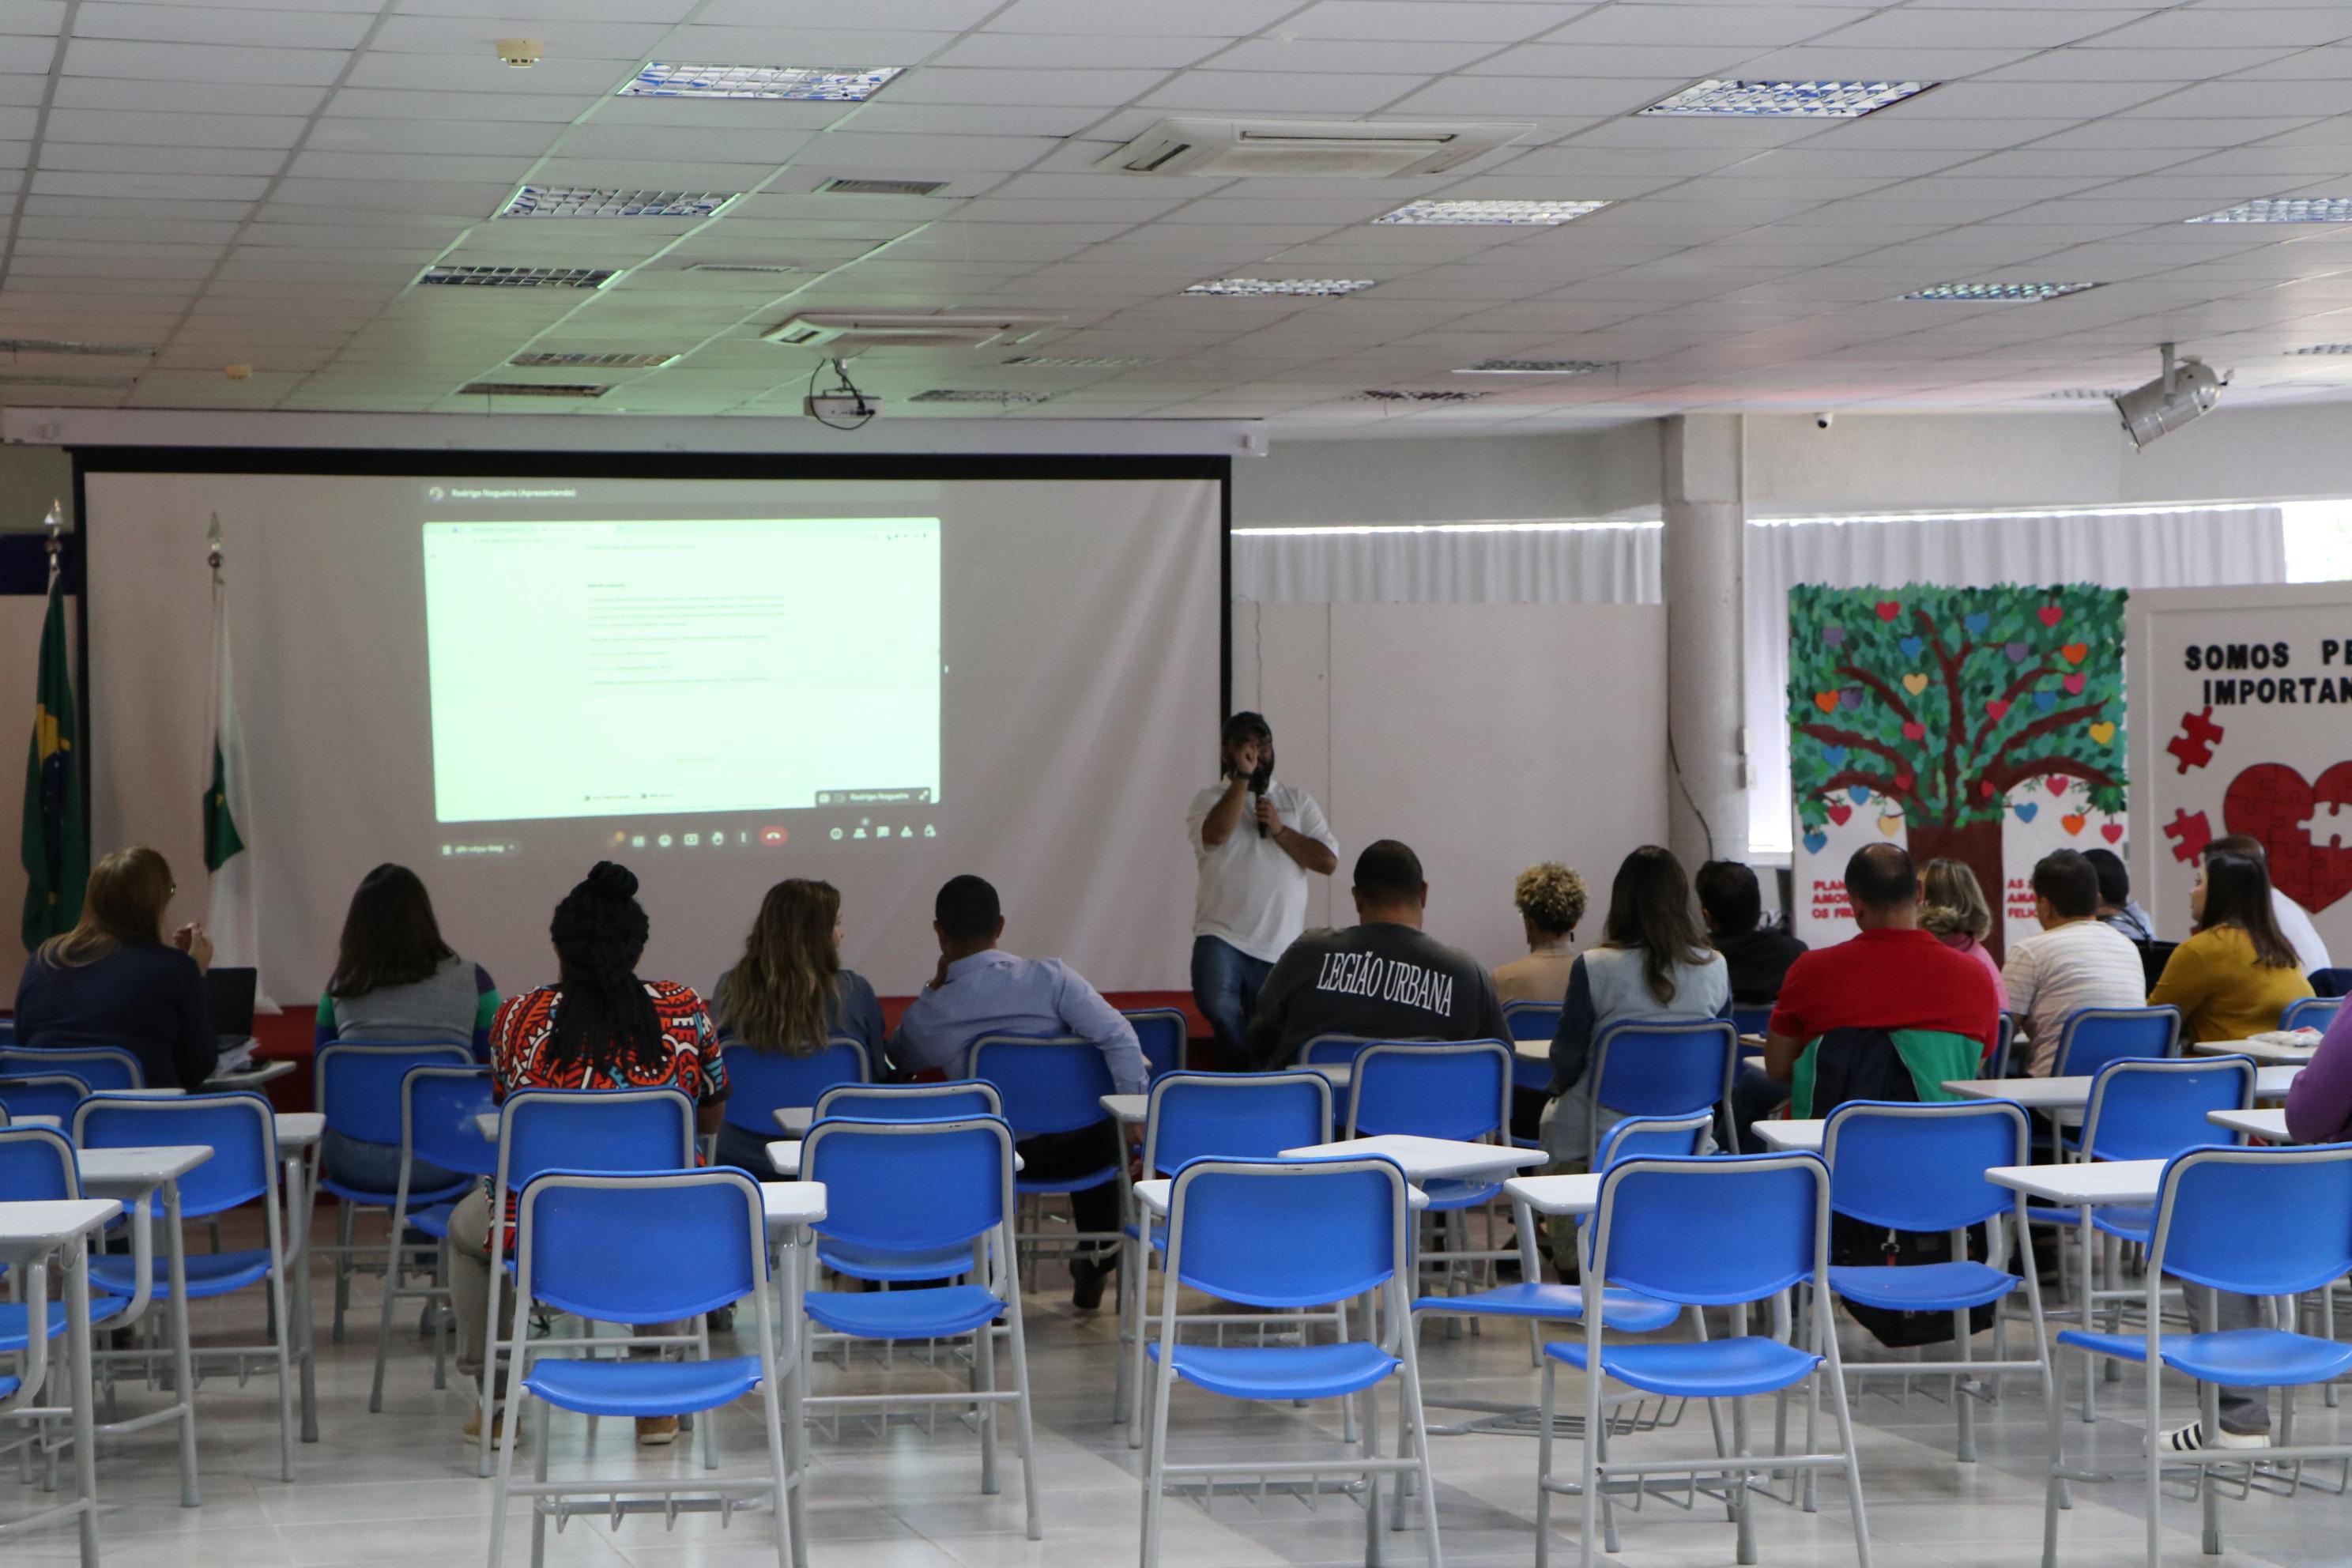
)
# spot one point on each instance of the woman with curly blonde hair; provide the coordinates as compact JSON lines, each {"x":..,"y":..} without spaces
{"x":1552,"y":900}
{"x":1952,"y":904}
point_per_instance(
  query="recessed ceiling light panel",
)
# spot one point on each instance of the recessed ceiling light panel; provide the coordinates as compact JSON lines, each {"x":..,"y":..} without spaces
{"x":2323,"y":349}
{"x":64,"y":346}
{"x":1078,"y":362}
{"x":2284,"y":209}
{"x":1998,"y":292}
{"x":518,"y":277}
{"x":1414,"y":395}
{"x":531,"y":389}
{"x":1280,"y":288}
{"x":738,"y":267}
{"x":568,"y":201}
{"x":814,"y":84}
{"x":1514,"y":213}
{"x":557,"y":360}
{"x":1788,"y":99}
{"x":1536,"y":367}
{"x":977,"y":395}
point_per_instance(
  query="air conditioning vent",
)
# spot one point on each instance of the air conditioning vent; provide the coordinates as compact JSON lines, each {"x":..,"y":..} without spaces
{"x":558,"y":361}
{"x":1310,"y":149}
{"x":531,"y":389}
{"x":738,"y":267}
{"x":842,"y":334}
{"x":843,"y":187}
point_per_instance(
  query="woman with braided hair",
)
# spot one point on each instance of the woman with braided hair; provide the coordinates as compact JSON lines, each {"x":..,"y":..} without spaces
{"x":598,"y":1026}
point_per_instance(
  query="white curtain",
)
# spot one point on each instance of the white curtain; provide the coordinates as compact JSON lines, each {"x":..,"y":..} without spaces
{"x":2172,"y":549}
{"x":1522,"y":563}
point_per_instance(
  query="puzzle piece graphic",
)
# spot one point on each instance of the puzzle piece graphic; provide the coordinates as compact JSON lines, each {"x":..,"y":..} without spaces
{"x":2194,"y":745}
{"x":2190,"y":835}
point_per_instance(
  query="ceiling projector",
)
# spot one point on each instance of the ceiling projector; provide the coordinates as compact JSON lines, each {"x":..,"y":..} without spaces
{"x":2187,"y":390}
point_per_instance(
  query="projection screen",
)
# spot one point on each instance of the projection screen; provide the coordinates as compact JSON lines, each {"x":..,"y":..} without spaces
{"x":499,"y":679}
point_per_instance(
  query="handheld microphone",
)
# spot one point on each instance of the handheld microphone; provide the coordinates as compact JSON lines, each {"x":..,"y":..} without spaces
{"x":1256,"y":800}
{"x":1263,"y":776}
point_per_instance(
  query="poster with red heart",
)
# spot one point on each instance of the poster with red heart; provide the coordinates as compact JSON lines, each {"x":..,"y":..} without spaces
{"x":2241,"y":708}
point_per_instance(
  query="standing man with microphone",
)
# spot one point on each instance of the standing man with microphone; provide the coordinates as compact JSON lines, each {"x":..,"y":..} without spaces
{"x":1254,"y":841}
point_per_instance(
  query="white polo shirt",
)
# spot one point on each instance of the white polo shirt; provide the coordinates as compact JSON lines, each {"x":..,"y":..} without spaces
{"x":1252,"y":895}
{"x":2083,"y":964}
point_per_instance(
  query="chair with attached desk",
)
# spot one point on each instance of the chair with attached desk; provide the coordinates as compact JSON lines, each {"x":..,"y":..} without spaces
{"x":2004,"y":1046}
{"x":1531,"y":1021}
{"x":37,"y":1165}
{"x":1912,"y":1167}
{"x":1726,"y":1231}
{"x":2311,"y":1012}
{"x":1333,"y":1050}
{"x":1657,"y":1067}
{"x":31,"y":1233}
{"x":1291,"y":1235}
{"x":919,"y":1188}
{"x":100,"y":1066}
{"x":593,"y":1131}
{"x":2266,"y":1223}
{"x":1163,"y":1033}
{"x":439,"y":1108}
{"x":1197,"y":1116}
{"x":698,"y":1240}
{"x":910,"y":1101}
{"x":242,"y":1131}
{"x":1459,"y":1091}
{"x":49,"y":1094}
{"x":1051,"y":1088}
{"x":2093,"y":1037}
{"x":358,"y":1086}
{"x":762,"y":1082}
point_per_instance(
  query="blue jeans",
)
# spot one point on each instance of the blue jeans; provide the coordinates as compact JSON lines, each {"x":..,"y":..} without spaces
{"x":1225,"y":982}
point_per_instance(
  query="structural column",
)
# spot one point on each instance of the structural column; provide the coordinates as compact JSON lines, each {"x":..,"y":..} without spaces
{"x":1703,"y":576}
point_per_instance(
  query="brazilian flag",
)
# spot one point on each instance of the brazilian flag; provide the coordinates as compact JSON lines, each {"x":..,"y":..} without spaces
{"x":57,"y":837}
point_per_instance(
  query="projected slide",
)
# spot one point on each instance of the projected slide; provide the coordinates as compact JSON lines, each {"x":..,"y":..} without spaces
{"x":657,"y":666}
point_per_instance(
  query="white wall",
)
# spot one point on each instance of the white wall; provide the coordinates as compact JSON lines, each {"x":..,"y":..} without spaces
{"x":1485,"y":736}
{"x":1449,"y":478}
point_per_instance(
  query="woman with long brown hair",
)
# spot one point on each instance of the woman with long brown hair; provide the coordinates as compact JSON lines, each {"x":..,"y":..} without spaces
{"x":789,"y":993}
{"x":114,"y":981}
{"x":2237,"y":974}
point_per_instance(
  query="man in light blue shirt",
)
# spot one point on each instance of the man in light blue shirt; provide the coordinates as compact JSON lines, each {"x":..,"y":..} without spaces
{"x":980,"y":989}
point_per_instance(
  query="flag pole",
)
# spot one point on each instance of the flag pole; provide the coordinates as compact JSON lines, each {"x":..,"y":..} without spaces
{"x":55,"y":522}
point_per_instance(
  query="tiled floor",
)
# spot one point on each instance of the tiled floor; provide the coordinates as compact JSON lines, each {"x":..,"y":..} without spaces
{"x":399,"y":1487}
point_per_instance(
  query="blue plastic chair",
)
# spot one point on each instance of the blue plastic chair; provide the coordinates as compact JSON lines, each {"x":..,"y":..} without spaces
{"x":1290,"y":1235}
{"x":1720,"y":1231}
{"x":761,"y":1083}
{"x":1050,"y":1086}
{"x":1912,"y":1167}
{"x":2093,"y":1037}
{"x":100,"y":1066}
{"x":440,"y":1108}
{"x":910,"y":1101}
{"x":1460,"y":1091}
{"x":2261,"y":1222}
{"x":357,"y":1085}
{"x":1164,"y":1033}
{"x":1333,"y":1050}
{"x":2311,"y":1012}
{"x":1659,"y":1068}
{"x":1531,"y":1021}
{"x":696,"y":1241}
{"x":1198,"y":1116}
{"x":37,"y":1165}
{"x":926,"y":1188}
{"x":2004,"y":1049}
{"x":242,"y":1131}
{"x":50,"y":1094}
{"x":600,"y":1131}
{"x":1751,"y":1018}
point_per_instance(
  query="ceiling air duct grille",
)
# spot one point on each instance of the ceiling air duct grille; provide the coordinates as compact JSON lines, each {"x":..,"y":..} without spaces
{"x":845,"y":332}
{"x":1314,"y":148}
{"x":531,"y":389}
{"x":845,"y":187}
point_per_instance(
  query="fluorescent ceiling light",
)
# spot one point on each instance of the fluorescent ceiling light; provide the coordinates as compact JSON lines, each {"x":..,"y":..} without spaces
{"x":531,"y":389}
{"x":1536,"y":367}
{"x":818,"y":84}
{"x":738,"y":267}
{"x":1997,"y":291}
{"x":1414,"y":395}
{"x":2085,"y":395}
{"x":2284,"y":209}
{"x":1271,"y":288}
{"x":1078,"y":362}
{"x":1788,"y":99}
{"x":2323,"y":349}
{"x":559,"y":361}
{"x":977,"y":395}
{"x":568,"y":201}
{"x":1514,"y":213}
{"x":519,"y":277}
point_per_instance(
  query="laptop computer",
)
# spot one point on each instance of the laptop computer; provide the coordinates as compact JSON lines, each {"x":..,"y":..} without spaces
{"x":229,"y":996}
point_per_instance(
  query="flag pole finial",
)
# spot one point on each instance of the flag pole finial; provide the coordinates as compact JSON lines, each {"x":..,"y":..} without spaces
{"x":213,"y":547}
{"x":55,"y":522}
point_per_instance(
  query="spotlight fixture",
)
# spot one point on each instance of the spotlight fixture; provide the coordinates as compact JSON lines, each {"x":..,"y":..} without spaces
{"x":2284,"y":209}
{"x":2186,"y":391}
{"x":1788,"y":99}
{"x":1280,"y":288}
{"x":1510,"y":214}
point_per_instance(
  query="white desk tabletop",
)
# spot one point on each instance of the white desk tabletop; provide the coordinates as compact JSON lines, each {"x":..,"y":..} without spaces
{"x":1126,"y":1110}
{"x":2095,"y":1184}
{"x":249,"y":1078}
{"x":1575,"y":1195}
{"x":1532,"y":1051}
{"x":791,"y":1204}
{"x":796,"y":1119}
{"x":1784,"y":1137}
{"x":54,"y":1123}
{"x":784,"y":1154}
{"x":1157,"y":1194}
{"x":2262,"y":1051}
{"x":33,"y":1227}
{"x":2265,"y":1122}
{"x":135,"y":1173}
{"x":2075,"y":1093}
{"x":1428,"y":1159}
{"x":299,"y":1129}
{"x":486,"y":1124}
{"x":1341,"y":1074}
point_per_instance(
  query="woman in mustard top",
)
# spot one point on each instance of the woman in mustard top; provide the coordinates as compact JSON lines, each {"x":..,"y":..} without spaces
{"x":2237,"y":974}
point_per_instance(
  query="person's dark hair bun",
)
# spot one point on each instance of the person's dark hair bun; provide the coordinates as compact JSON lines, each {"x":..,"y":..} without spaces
{"x":611,"y":879}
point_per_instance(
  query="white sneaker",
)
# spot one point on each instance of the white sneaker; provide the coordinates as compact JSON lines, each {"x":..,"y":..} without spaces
{"x":2191,"y":1440}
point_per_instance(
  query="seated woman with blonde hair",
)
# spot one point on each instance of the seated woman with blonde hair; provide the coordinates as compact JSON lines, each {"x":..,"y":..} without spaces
{"x":114,"y":981}
{"x":1952,"y":905}
{"x":1552,"y":900}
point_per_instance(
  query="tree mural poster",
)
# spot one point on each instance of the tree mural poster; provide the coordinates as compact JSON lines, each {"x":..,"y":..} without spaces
{"x":1983,"y":725}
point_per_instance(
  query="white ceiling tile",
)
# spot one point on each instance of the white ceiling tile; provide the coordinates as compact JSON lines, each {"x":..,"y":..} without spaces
{"x":243,"y":99}
{"x":202,"y":63}
{"x":1456,"y":19}
{"x":953,"y":85}
{"x":566,"y":39}
{"x":486,"y":76}
{"x":1037,"y":51}
{"x":2206,"y":27}
{"x":225,"y":24}
{"x":1267,"y":94}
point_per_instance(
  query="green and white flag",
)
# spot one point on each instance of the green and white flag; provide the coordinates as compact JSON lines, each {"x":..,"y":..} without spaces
{"x":235,"y":918}
{"x":55,"y":839}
